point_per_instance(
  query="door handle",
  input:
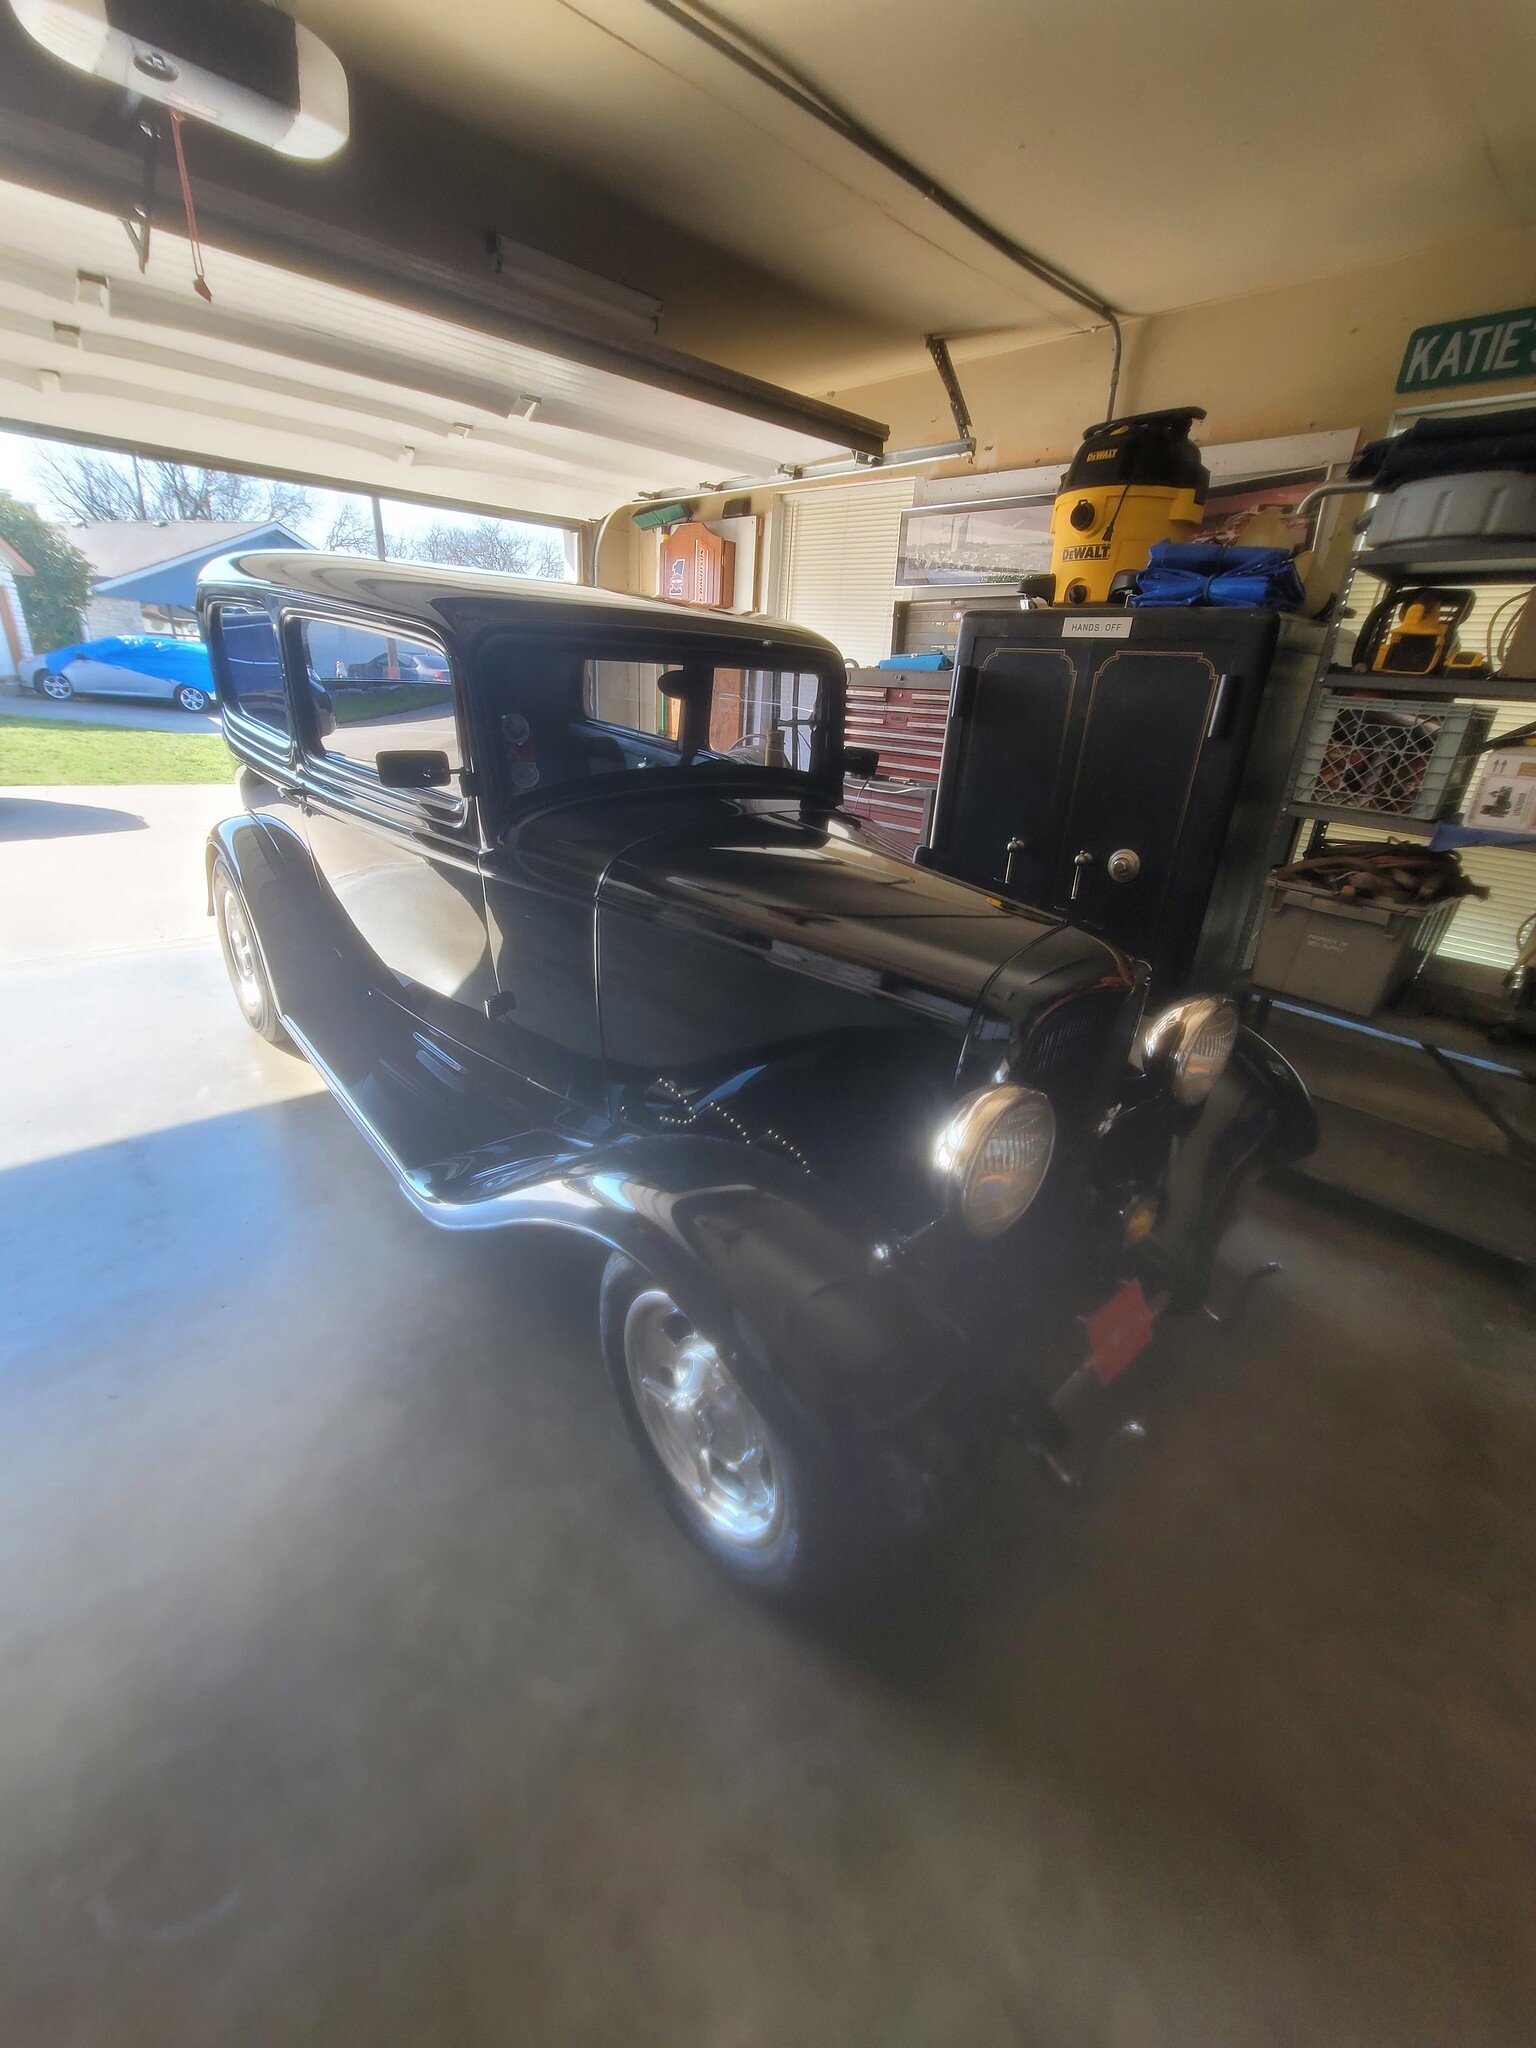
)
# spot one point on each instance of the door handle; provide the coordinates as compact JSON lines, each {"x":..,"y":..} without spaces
{"x":1081,"y":860}
{"x":1014,"y":848}
{"x":1123,"y":865}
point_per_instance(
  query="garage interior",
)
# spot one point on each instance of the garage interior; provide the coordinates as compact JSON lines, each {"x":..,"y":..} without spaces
{"x":354,"y":1690}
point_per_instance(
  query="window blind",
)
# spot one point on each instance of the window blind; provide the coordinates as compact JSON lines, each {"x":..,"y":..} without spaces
{"x":838,"y":564}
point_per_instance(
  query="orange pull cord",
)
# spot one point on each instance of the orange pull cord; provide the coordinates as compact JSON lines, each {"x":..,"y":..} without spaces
{"x":199,"y":275}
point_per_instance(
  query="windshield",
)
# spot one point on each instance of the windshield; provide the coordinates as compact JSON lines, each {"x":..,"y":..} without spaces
{"x":763,"y":716}
{"x":564,"y":716}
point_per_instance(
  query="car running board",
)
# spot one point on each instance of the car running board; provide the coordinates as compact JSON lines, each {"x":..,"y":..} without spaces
{"x":410,"y":1104}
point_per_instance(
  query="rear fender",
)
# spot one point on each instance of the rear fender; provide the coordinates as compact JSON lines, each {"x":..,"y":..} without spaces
{"x":276,"y":877}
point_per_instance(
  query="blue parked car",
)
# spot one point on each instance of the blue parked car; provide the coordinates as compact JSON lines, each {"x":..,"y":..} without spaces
{"x":145,"y":665}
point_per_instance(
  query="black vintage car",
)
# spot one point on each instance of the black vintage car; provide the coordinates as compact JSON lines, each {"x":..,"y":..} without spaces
{"x":552,"y":887}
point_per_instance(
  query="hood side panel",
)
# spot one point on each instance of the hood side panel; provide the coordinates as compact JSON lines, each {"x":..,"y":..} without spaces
{"x":746,"y":929}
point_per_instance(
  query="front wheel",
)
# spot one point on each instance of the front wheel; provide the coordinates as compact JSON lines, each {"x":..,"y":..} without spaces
{"x":190,"y":698}
{"x":59,"y":688}
{"x":748,"y":1486}
{"x":242,"y":957}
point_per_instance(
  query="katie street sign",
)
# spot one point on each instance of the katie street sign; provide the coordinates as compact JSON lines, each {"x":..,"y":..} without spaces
{"x":1476,"y":351}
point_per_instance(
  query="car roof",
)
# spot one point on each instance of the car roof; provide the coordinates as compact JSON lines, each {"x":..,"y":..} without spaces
{"x":465,"y":600}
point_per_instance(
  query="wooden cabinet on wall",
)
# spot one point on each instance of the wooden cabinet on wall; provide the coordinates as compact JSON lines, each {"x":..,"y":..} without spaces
{"x":698,"y":567}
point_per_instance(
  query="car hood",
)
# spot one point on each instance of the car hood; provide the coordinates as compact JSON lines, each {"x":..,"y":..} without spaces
{"x":823,"y":898}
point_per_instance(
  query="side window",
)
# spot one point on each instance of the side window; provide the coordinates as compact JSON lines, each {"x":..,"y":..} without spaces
{"x":375,"y":691}
{"x":253,"y":666}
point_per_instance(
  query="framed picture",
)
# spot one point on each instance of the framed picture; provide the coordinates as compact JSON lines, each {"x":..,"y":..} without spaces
{"x":975,"y":543}
{"x":984,"y":529}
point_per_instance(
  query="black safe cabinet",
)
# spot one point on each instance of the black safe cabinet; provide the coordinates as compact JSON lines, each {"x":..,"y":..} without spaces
{"x":1125,"y":768}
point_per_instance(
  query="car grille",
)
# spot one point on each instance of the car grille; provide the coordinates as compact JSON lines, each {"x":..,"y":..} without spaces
{"x":1076,"y":1050}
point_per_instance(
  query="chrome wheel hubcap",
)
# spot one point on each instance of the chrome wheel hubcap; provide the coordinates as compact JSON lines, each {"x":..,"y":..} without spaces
{"x":242,"y":952}
{"x":715,"y":1446}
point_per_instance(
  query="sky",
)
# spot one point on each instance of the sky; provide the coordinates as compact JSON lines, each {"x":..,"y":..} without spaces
{"x":401,"y":517}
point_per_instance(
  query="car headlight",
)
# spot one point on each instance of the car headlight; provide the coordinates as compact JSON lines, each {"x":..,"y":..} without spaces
{"x":1188,"y":1046}
{"x":993,"y":1154}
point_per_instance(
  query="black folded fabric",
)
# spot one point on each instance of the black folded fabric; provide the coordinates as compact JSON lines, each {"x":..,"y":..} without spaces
{"x":1449,"y":447}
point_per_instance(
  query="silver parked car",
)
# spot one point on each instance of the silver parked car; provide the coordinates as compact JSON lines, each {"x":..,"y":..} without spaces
{"x":149,"y":666}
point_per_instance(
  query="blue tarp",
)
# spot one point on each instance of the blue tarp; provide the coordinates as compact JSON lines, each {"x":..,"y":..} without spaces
{"x":146,"y":654}
{"x":1191,"y":573}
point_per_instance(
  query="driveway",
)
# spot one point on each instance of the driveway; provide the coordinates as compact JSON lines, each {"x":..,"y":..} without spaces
{"x":110,"y":870}
{"x":107,"y":711}
{"x":355,"y":1694}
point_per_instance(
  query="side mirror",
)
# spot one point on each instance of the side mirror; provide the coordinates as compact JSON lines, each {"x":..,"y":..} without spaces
{"x":861,"y":763}
{"x":414,"y":768}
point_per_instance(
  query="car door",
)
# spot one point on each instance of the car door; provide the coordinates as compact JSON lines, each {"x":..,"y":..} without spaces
{"x":88,"y":676}
{"x":402,"y":865}
{"x":101,"y":676}
{"x":134,"y":680}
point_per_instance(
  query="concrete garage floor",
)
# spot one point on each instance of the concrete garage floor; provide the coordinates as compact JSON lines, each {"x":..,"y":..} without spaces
{"x":353,"y":1691}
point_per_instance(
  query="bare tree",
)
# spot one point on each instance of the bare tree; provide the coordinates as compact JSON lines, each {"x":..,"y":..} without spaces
{"x":491,"y":544}
{"x":350,"y":531}
{"x":86,"y":485}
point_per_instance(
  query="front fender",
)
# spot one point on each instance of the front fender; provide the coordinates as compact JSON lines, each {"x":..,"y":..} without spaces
{"x":1259,"y":1117}
{"x":764,"y":1259}
{"x":824,"y":1335}
{"x":767,"y":1259}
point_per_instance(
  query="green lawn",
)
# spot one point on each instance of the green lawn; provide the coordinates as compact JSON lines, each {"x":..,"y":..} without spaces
{"x":47,"y":751}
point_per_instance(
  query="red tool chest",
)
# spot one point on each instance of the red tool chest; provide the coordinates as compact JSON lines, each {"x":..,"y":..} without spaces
{"x":901,"y":713}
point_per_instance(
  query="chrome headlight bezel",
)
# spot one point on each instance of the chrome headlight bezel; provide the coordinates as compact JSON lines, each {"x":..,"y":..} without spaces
{"x":978,"y":1188}
{"x":1187,"y":1046}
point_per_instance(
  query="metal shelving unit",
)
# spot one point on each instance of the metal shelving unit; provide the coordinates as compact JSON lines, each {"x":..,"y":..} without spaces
{"x":1475,"y":1178}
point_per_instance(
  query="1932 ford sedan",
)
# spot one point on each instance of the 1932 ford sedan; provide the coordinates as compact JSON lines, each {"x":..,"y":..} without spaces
{"x":552,"y":887}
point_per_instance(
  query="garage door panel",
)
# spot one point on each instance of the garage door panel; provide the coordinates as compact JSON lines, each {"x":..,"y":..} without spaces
{"x":286,"y":371}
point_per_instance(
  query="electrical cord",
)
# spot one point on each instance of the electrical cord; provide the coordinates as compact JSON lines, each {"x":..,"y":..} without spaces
{"x":750,"y":54}
{"x":1501,"y":629}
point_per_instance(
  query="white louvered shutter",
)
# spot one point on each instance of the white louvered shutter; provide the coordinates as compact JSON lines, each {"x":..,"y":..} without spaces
{"x":1484,"y":928}
{"x":838,"y":565}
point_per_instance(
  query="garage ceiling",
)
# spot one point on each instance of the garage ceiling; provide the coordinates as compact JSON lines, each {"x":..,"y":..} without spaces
{"x":1167,"y":155}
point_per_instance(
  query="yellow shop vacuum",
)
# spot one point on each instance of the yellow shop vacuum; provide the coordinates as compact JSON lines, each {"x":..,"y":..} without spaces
{"x":1132,"y":482}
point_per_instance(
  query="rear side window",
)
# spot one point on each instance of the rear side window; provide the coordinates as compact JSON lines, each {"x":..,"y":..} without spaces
{"x":253,"y":666}
{"x":375,"y":691}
